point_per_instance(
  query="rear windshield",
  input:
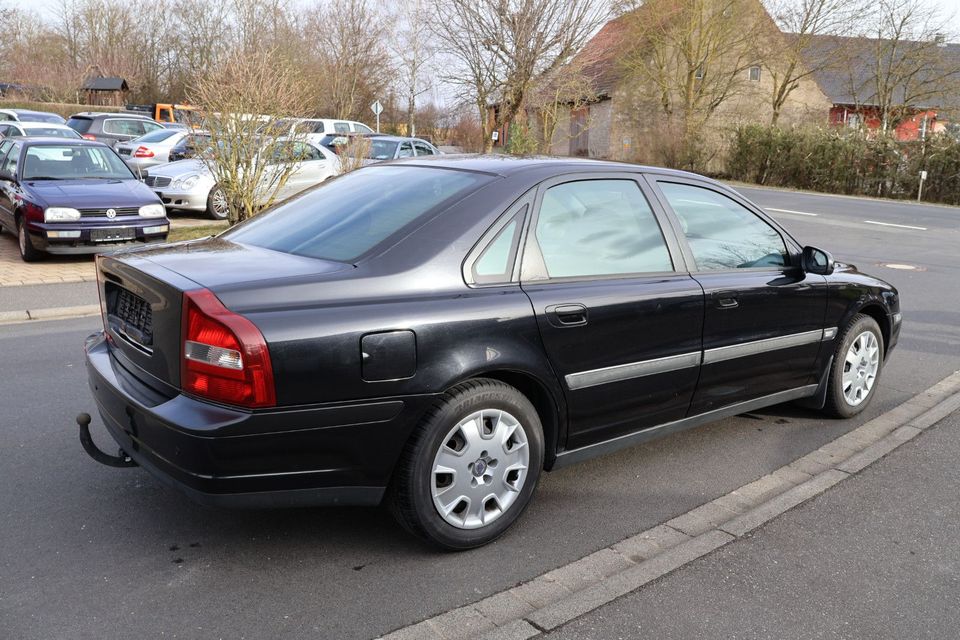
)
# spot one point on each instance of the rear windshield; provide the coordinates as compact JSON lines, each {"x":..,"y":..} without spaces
{"x":40,"y":116}
{"x":49,"y":162}
{"x":351,"y":215}
{"x":157,"y":136}
{"x":80,"y":125}
{"x":51,"y":132}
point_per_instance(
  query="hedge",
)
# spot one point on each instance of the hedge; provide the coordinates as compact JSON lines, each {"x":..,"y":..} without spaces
{"x":839,"y":161}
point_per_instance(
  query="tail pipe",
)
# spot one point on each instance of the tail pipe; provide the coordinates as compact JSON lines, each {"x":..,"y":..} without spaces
{"x":119,"y":460}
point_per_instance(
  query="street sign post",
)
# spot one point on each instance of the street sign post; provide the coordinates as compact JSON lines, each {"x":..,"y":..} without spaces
{"x":377,"y":109}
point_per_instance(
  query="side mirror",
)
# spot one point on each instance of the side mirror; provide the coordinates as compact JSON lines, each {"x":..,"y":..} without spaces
{"x":817,"y":261}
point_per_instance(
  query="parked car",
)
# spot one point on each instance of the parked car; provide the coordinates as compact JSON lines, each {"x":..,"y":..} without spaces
{"x":73,"y":196}
{"x":175,"y":125}
{"x":190,"y":185}
{"x":437,"y":332}
{"x":312,"y":128}
{"x":37,"y":129}
{"x":26,"y":115}
{"x":189,"y":146}
{"x":393,"y":147}
{"x":111,"y":128}
{"x":151,"y":149}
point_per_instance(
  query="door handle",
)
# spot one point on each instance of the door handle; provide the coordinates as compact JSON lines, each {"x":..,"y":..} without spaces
{"x":567,"y":315}
{"x":726,"y":299}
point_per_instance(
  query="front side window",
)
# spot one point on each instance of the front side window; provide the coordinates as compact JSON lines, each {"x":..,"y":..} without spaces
{"x":599,"y":228}
{"x":722,"y":233}
{"x":9,"y":165}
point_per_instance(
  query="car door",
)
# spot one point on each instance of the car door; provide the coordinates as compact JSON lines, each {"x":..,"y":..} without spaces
{"x":311,"y":168}
{"x":763,"y":320}
{"x":9,"y":153}
{"x":620,"y":317}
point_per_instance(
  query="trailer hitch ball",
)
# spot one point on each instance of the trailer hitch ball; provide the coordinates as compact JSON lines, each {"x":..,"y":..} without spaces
{"x":119,"y":460}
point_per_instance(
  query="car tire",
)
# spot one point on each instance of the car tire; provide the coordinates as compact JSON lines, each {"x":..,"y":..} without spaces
{"x":857,"y":364}
{"x":490,"y":436}
{"x":27,"y":252}
{"x":217,"y":207}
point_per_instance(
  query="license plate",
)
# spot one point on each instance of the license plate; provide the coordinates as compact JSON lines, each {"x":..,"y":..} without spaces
{"x":131,"y":316}
{"x":112,"y":235}
{"x":123,"y":152}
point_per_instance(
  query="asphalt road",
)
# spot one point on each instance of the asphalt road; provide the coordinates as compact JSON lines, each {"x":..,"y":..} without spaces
{"x":94,"y":552}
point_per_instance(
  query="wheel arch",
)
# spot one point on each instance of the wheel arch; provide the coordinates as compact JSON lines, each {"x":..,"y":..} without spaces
{"x":549,"y":405}
{"x":878,"y":313}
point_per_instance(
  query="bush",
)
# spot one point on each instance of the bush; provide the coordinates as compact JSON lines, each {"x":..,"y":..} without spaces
{"x":840,"y":161}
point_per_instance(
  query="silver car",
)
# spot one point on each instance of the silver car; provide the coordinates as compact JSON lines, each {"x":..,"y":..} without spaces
{"x":150,"y":149}
{"x":384,"y":147}
{"x":189,"y":184}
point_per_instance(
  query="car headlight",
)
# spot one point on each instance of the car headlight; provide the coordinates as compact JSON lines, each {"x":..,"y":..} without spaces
{"x":60,"y":214}
{"x":152,"y":211}
{"x":186,"y":182}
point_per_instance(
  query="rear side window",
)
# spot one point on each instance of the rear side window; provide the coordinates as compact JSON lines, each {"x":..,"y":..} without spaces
{"x":80,"y":125}
{"x":722,"y":233}
{"x":341,"y":127}
{"x":599,"y":228}
{"x":123,"y":127}
{"x":496,"y":260}
{"x":355,"y":213}
{"x":362,"y":128}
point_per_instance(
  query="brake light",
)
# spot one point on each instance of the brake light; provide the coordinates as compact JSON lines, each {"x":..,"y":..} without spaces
{"x":142,"y":152}
{"x":87,"y":136}
{"x":223,"y":355}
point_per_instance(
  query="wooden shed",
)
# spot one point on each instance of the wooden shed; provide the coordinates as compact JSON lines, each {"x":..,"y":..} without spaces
{"x":105,"y":91}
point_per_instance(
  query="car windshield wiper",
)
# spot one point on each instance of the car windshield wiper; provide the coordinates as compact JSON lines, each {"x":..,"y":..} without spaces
{"x":42,"y":178}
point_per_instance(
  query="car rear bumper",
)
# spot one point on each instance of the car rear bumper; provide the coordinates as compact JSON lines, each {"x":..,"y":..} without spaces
{"x":333,"y":454}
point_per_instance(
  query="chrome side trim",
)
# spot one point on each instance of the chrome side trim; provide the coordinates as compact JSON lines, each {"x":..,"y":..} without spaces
{"x":584,"y":379}
{"x":730,"y":352}
{"x":566,"y":458}
{"x":830,"y":334}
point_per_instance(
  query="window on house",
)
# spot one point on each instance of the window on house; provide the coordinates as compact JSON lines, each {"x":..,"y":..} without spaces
{"x":698,"y":74}
{"x":755,"y":74}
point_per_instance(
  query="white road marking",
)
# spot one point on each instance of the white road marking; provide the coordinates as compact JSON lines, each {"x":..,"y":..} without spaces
{"x":796,"y":213}
{"x":899,"y":226}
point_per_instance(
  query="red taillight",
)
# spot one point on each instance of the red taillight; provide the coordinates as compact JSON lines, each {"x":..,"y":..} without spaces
{"x":142,"y":152}
{"x":223,"y":355}
{"x":87,"y":136}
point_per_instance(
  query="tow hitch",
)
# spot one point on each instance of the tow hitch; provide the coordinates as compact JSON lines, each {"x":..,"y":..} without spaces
{"x":119,"y":460}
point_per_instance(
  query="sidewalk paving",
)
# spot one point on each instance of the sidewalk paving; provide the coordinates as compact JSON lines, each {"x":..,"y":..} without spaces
{"x":14,"y":272}
{"x":875,"y":557}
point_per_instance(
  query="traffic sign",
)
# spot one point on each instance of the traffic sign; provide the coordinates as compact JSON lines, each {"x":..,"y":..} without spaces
{"x":376,"y":107}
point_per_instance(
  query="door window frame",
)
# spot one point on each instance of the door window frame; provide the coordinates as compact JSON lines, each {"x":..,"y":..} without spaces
{"x":794,"y":248}
{"x":533,"y":267}
{"x":520,"y":211}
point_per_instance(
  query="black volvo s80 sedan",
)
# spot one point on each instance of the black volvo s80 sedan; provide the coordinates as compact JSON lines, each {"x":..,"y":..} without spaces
{"x":437,"y":332}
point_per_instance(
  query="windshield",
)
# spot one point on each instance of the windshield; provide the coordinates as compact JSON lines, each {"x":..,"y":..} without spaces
{"x":52,"y":132}
{"x":382,"y":150}
{"x":351,"y":215}
{"x":157,"y":136}
{"x":69,"y":162}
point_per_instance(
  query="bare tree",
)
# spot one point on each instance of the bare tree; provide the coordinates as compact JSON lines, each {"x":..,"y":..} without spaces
{"x":503,"y":46}
{"x":909,"y":69}
{"x":414,"y":52}
{"x":787,"y":58}
{"x":249,"y":168}
{"x":566,"y":89}
{"x":688,"y":58}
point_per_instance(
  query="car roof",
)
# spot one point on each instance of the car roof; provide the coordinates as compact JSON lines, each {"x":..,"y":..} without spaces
{"x":504,"y":165}
{"x":392,"y":138}
{"x":91,"y":115}
{"x":36,"y":141}
{"x":29,"y":124}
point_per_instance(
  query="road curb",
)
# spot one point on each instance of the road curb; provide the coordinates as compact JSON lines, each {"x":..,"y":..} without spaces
{"x":49,"y":313}
{"x":568,"y":592}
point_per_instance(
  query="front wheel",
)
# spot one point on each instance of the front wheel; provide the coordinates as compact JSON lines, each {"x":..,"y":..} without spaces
{"x":471,"y":466}
{"x":27,"y":252}
{"x":217,"y":206}
{"x":857,"y":363}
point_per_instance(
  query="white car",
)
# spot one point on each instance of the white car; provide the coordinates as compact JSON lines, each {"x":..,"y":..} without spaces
{"x":38,"y":129}
{"x":313,"y":129}
{"x":150,"y":149}
{"x":189,"y":184}
{"x":26,"y":115}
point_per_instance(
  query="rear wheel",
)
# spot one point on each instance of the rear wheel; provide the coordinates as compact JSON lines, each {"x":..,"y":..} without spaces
{"x":857,"y":363}
{"x":27,"y":252}
{"x":470,"y":467}
{"x":217,"y":206}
